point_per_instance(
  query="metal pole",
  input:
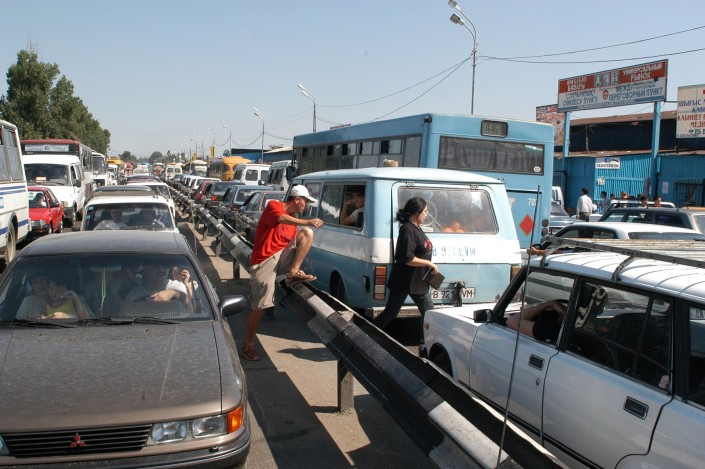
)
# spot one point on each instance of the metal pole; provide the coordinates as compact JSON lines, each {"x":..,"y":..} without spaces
{"x":474,"y":55}
{"x":261,"y":157}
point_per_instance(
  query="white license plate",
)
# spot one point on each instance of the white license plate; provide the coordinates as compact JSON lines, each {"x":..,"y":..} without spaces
{"x":447,"y":293}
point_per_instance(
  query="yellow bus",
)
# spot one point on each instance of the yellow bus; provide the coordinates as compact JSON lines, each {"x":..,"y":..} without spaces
{"x":224,"y":168}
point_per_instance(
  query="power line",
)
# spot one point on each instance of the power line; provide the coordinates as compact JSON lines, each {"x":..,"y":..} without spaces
{"x":603,"y":47}
{"x":596,"y":61}
{"x":454,"y":67}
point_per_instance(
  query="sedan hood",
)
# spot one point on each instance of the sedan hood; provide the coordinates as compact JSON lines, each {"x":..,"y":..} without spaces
{"x":107,"y":375}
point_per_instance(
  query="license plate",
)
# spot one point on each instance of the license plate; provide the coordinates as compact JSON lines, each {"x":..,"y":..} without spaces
{"x":447,"y":293}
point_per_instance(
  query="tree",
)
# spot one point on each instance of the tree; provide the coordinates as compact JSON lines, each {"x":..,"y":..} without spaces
{"x":156,"y":157}
{"x":128,"y":157}
{"x":42,"y":105}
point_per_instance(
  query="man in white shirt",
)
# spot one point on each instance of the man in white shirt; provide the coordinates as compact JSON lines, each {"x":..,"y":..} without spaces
{"x":114,"y":223}
{"x":584,"y":206}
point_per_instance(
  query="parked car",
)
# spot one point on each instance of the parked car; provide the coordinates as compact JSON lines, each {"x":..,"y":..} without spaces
{"x":621,"y":378}
{"x":684,"y":218}
{"x":622,"y":230}
{"x":246,"y":219}
{"x":559,"y":218}
{"x":45,"y":212}
{"x":159,"y":188}
{"x":200,"y":192}
{"x":233,"y":200}
{"x":64,"y":174}
{"x":131,"y":211}
{"x":122,"y":189}
{"x":215,"y":194}
{"x":157,"y":383}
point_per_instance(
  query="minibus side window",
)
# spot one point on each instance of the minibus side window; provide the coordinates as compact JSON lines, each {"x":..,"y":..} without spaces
{"x":331,"y":201}
{"x":312,"y":210}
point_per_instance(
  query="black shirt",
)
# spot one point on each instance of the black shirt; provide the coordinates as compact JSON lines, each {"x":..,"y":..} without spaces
{"x":412,"y":242}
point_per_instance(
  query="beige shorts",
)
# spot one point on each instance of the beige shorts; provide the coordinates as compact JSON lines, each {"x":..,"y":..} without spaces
{"x":263,"y":276}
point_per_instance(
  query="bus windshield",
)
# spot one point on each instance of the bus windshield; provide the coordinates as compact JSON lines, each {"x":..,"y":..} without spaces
{"x":47,"y":174}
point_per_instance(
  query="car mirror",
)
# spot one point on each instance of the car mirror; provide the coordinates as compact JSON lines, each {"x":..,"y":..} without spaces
{"x":233,"y":304}
{"x":482,"y":315}
{"x":55,"y":204}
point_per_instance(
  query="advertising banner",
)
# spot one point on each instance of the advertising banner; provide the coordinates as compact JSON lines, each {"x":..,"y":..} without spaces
{"x":619,"y":87}
{"x":691,"y":112}
{"x":550,"y":115}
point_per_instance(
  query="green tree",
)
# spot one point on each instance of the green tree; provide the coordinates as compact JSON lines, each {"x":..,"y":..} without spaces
{"x":128,"y":157}
{"x":156,"y":157}
{"x":42,"y":105}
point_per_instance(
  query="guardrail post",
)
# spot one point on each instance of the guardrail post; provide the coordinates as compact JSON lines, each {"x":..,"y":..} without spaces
{"x":345,"y":388}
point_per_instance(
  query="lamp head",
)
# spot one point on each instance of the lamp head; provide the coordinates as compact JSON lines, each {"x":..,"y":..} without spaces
{"x":456,"y":19}
{"x":453,"y":4}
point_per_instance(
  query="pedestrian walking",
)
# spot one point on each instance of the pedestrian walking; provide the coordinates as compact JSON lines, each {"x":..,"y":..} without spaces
{"x":584,"y":206}
{"x":412,"y":260}
{"x":278,"y":249}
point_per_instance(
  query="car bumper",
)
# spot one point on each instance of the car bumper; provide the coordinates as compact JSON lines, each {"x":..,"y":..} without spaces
{"x":231,"y":454}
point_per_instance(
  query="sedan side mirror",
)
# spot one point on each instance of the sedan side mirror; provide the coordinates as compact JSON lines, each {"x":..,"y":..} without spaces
{"x":482,"y":315}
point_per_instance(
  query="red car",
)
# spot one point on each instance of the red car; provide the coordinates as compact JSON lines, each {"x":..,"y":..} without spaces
{"x":45,"y":211}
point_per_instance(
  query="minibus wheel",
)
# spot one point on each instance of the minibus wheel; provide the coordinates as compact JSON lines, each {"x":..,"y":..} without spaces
{"x":338,"y":290}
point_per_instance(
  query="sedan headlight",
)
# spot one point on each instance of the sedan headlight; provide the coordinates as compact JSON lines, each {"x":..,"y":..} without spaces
{"x":3,"y":448}
{"x":204,"y":427}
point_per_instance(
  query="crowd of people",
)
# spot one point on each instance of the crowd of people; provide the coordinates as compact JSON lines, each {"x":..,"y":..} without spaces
{"x":586,"y":205}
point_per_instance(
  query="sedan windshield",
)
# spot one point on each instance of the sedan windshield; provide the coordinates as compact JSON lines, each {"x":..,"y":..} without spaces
{"x":98,"y":285}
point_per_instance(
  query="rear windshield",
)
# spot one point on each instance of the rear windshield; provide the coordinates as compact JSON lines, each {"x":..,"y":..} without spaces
{"x":129,"y":216}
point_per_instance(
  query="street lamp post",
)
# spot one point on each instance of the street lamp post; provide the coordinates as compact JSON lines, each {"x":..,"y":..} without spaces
{"x":308,"y":94}
{"x":195,"y":143}
{"x":203,"y":156}
{"x":230,"y":136}
{"x":212,"y":144}
{"x":257,"y":113}
{"x":457,"y":20}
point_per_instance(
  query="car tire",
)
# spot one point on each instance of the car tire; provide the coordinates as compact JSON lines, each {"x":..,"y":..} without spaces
{"x":441,"y":360}
{"x":71,"y":220}
{"x":61,"y":226}
{"x":11,"y":247}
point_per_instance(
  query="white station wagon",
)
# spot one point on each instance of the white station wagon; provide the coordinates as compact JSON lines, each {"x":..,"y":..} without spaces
{"x":621,"y":383}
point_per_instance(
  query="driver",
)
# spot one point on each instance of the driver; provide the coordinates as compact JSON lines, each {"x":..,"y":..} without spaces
{"x":157,"y":286}
{"x":544,"y":327}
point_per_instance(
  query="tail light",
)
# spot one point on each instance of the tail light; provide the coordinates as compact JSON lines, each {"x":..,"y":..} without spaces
{"x":380,"y":283}
{"x":214,"y":198}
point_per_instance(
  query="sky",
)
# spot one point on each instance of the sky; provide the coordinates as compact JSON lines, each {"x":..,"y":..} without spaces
{"x":165,"y":75}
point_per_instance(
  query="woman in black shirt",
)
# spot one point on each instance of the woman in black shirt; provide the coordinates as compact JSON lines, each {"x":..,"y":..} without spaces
{"x":412,"y":259}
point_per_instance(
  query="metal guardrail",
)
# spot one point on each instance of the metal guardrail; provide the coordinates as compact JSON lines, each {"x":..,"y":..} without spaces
{"x":448,"y":423}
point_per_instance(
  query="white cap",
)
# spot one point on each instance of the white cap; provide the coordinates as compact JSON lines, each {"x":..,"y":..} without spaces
{"x":301,"y":191}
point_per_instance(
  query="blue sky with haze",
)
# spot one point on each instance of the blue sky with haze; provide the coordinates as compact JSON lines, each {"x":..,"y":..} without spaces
{"x":158,"y":73}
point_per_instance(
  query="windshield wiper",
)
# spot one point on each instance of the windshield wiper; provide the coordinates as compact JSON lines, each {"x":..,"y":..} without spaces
{"x":114,"y":321}
{"x":33,"y":323}
{"x":154,"y":320}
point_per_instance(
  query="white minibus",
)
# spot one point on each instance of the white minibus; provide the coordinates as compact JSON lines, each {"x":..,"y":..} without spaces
{"x":469,"y":224}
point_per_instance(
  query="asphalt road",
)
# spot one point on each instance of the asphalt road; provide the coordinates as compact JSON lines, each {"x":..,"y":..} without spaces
{"x":293,"y":393}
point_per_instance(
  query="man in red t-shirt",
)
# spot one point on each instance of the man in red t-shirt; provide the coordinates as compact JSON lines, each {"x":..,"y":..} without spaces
{"x":278,"y":249}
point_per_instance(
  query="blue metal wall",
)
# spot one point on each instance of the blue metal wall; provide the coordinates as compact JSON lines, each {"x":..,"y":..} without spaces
{"x":681,"y":178}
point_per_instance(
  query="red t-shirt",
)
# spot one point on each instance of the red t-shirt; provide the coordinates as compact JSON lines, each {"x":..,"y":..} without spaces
{"x":271,"y":236}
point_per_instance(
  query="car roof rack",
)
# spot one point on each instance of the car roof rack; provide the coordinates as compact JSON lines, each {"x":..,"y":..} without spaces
{"x":682,"y":252}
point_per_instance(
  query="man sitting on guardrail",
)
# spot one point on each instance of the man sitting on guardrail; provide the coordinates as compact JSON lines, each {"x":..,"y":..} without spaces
{"x":278,"y":249}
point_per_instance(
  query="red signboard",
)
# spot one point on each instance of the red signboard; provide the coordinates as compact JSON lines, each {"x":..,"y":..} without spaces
{"x":619,"y":87}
